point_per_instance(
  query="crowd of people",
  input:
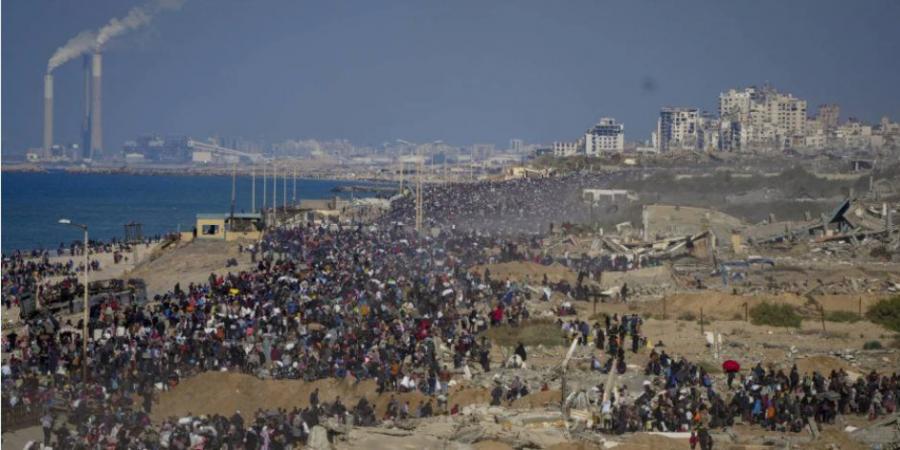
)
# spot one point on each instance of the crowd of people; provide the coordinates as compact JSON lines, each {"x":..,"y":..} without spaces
{"x":24,"y":276}
{"x":518,"y":206}
{"x":683,"y":396}
{"x":364,"y":301}
{"x":25,"y":273}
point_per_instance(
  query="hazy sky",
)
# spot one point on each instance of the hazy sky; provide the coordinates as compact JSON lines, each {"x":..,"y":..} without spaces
{"x":461,"y":71}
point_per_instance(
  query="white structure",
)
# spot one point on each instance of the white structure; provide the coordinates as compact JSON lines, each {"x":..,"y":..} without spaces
{"x":735,"y":105}
{"x":565,"y":148}
{"x":596,"y":195}
{"x":606,"y":136}
{"x":678,"y":129}
{"x":854,"y":135}
{"x":709,"y":133}
{"x":761,"y":119}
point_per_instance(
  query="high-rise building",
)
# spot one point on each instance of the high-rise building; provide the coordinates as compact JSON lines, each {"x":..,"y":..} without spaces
{"x":735,"y":105}
{"x":606,"y":136}
{"x":708,"y":132}
{"x":828,"y":116}
{"x":516,"y":145}
{"x":678,"y":129}
{"x":765,"y":118}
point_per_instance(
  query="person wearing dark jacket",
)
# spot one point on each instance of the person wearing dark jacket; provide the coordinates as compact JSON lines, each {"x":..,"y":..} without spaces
{"x":706,"y":440}
{"x":314,"y":398}
{"x":520,"y":350}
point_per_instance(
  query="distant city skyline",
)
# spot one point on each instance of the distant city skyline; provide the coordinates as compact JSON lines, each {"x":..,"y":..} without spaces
{"x":464,"y":72}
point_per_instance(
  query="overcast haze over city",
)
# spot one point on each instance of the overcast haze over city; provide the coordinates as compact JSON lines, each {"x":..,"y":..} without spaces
{"x":463,"y":72}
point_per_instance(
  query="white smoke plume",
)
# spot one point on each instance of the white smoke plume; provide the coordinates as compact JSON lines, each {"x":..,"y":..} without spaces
{"x":82,"y":43}
{"x":89,"y":40}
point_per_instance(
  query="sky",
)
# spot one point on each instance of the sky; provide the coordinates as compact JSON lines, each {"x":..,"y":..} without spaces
{"x":461,"y":71}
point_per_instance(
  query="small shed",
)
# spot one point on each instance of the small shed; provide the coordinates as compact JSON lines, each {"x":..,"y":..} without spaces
{"x":229,"y":227}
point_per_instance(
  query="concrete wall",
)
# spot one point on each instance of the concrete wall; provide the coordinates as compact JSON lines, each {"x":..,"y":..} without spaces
{"x":672,"y":221}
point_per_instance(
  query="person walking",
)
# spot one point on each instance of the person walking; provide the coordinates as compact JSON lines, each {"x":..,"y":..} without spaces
{"x":706,"y":440}
{"x":47,"y":427}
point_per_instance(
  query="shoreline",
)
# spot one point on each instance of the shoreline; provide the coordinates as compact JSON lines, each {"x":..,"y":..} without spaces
{"x":333,"y":187}
{"x":191,"y":172}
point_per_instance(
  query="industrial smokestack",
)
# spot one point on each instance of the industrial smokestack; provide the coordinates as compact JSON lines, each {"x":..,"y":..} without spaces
{"x":48,"y":114}
{"x":88,"y":40}
{"x":96,"y":107}
{"x":86,"y":119}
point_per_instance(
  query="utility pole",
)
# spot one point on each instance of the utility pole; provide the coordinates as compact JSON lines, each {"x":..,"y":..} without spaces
{"x":275,"y":191}
{"x":253,"y":189}
{"x":400,"y":160}
{"x":233,"y":191}
{"x":419,"y":169}
{"x":86,"y":308}
{"x":294,"y":195}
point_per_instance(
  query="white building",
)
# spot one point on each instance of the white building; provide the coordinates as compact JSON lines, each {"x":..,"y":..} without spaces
{"x":678,"y":129}
{"x":854,"y":135}
{"x":566,"y":148}
{"x":734,"y":105}
{"x":709,"y":133}
{"x":607,"y":136}
{"x":761,"y":119}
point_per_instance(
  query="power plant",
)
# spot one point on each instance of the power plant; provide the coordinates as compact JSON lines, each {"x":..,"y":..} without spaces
{"x":92,"y":120}
{"x":85,"y":143}
{"x":96,"y":107}
{"x":90,"y":43}
{"x":48,"y":114}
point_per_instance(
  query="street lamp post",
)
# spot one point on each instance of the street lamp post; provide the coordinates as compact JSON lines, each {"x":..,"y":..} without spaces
{"x":86,"y":309}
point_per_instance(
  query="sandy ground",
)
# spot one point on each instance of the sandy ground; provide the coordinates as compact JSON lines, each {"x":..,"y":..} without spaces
{"x":16,"y":440}
{"x":225,"y":392}
{"x":528,"y":272}
{"x":190,"y":262}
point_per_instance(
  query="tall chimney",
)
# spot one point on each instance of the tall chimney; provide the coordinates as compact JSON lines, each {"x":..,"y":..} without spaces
{"x":48,"y":114}
{"x":86,"y":119}
{"x":96,"y":108}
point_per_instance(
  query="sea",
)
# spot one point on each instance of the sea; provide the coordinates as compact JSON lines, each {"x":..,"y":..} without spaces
{"x":33,"y":203}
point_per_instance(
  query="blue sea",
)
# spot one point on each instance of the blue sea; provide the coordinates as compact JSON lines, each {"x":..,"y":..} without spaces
{"x":33,"y":203}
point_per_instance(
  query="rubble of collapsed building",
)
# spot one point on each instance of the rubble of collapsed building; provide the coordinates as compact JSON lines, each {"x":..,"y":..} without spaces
{"x":671,"y":249}
{"x":854,"y":228}
{"x":693,"y":243}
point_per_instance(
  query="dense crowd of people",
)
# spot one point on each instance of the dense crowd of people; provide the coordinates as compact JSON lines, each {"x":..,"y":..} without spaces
{"x":379,"y":303}
{"x":375,"y":301}
{"x":518,"y":206}
{"x":24,"y":276}
{"x":682,"y":396}
{"x":27,"y":272}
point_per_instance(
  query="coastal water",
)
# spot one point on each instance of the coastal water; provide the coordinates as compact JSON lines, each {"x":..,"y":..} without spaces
{"x":33,"y":203}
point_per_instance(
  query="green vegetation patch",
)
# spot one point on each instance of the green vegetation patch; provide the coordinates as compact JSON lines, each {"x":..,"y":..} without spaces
{"x":886,"y":313}
{"x":842,"y":316}
{"x":776,"y":315}
{"x":530,"y":333}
